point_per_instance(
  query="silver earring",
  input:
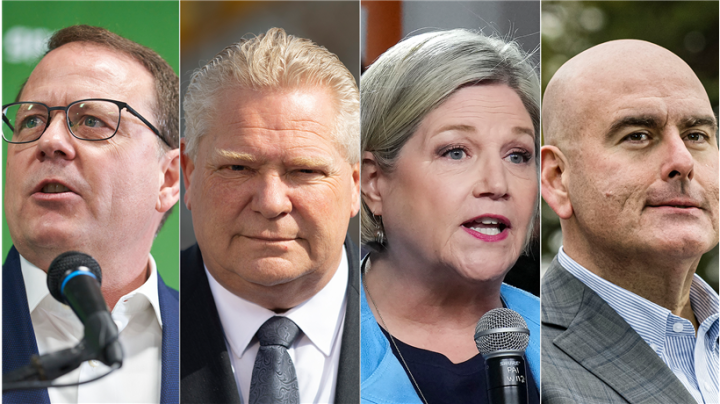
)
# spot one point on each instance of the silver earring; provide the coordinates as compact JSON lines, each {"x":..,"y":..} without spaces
{"x":379,"y":233}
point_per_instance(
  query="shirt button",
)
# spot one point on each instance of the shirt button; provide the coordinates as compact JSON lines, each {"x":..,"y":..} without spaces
{"x":93,"y":363}
{"x":677,"y":327}
{"x":118,"y":323}
{"x":706,"y":385}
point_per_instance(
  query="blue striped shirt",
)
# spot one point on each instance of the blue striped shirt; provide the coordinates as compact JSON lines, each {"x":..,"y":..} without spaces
{"x":693,"y":360}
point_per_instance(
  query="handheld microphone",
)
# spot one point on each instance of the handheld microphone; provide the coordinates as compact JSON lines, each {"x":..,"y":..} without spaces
{"x":501,"y":336}
{"x":74,"y":279}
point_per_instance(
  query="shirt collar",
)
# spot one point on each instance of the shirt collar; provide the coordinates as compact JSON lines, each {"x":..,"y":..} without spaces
{"x":319,"y":318}
{"x":149,"y":290}
{"x":651,"y":321}
{"x":704,"y":300}
{"x":35,"y":280}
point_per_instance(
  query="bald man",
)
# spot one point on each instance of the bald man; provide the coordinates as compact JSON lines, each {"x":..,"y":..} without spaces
{"x":630,"y":166}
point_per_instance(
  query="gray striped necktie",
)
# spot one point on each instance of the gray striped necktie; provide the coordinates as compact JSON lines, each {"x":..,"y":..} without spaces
{"x":273,"y":377}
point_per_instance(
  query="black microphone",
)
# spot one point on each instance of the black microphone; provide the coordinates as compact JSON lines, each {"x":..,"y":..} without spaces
{"x":501,"y":336}
{"x":74,"y":279}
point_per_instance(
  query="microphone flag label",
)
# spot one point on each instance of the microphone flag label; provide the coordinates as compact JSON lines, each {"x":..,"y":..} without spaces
{"x":513,"y":372}
{"x":508,"y":371}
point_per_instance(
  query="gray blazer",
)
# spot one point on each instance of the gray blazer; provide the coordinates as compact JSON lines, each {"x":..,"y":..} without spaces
{"x":591,"y":355}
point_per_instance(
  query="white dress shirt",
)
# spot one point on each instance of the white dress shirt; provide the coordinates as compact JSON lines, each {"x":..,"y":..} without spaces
{"x":315,"y":352}
{"x":137,"y":316}
{"x":694,"y":360}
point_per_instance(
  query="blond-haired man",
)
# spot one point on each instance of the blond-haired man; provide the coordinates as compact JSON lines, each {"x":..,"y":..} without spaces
{"x":270,"y":291}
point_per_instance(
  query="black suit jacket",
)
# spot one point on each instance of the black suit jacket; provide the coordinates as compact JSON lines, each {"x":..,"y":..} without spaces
{"x":205,"y":372}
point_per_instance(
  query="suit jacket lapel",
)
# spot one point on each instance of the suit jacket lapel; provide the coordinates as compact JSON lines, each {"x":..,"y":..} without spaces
{"x":18,"y":333}
{"x":347,"y":389}
{"x":170,"y":343}
{"x":206,"y":373}
{"x":604,"y":344}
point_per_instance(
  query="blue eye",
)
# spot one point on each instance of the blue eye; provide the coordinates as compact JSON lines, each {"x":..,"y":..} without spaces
{"x":456,"y":153}
{"x":519,"y":157}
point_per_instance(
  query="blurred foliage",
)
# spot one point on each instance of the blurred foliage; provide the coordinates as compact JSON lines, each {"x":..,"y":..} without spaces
{"x":687,"y":28}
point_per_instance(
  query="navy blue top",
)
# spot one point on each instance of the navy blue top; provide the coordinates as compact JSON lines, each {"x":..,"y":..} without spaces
{"x":442,"y":381}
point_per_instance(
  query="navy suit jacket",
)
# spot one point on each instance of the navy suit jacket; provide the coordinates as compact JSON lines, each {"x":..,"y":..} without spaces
{"x":19,"y":337}
{"x":207,"y":375}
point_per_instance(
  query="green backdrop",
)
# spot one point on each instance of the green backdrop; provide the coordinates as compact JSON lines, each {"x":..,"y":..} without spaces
{"x":25,"y":25}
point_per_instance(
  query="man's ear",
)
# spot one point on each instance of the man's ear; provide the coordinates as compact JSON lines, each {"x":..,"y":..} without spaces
{"x":554,"y":179}
{"x":370,"y":177}
{"x":187,"y":169}
{"x":355,"y":189}
{"x":169,"y":181}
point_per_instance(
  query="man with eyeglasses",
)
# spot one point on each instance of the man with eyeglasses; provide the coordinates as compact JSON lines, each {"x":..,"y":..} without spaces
{"x":92,"y":166}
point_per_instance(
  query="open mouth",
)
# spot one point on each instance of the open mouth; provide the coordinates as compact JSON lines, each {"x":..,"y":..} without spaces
{"x":489,"y":226}
{"x":54,"y":188}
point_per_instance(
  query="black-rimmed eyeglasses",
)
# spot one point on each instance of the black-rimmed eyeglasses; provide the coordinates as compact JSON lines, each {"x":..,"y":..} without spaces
{"x":92,"y":119}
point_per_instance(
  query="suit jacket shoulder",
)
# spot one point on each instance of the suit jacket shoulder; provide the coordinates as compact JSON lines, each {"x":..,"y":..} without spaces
{"x":169,"y":310}
{"x":383,"y":379}
{"x":528,"y":306}
{"x":347,"y":389}
{"x":18,"y":335}
{"x":205,"y":372}
{"x":591,"y":355}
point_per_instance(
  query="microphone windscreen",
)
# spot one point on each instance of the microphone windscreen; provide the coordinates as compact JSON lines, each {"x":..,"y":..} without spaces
{"x":501,"y":330}
{"x":63,"y":265}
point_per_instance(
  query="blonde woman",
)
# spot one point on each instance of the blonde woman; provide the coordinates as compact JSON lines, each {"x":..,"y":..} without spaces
{"x":450,"y":192}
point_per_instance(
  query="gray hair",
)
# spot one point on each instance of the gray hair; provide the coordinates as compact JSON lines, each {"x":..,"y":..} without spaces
{"x":274,"y":61}
{"x":417,"y":75}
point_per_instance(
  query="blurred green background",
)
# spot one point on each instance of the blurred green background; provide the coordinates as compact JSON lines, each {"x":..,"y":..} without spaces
{"x":687,"y":28}
{"x":27,"y":25}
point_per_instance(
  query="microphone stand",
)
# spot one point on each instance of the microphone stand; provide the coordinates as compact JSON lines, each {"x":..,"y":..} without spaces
{"x":82,"y":275}
{"x":49,"y":366}
{"x":45,"y":368}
